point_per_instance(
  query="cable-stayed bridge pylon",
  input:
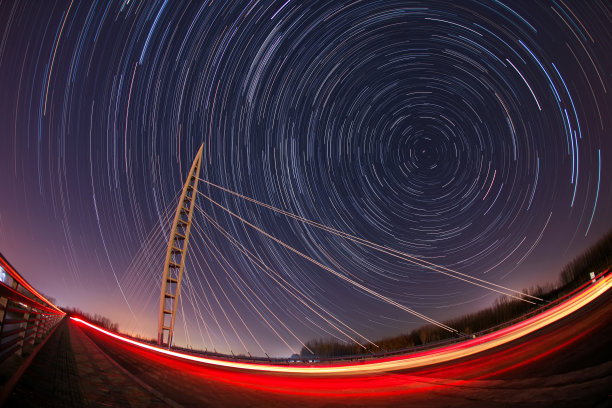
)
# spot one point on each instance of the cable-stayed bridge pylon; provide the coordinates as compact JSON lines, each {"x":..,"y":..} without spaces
{"x":177,"y":254}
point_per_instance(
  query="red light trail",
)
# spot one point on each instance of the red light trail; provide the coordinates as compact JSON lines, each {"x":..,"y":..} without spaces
{"x":384,"y":365}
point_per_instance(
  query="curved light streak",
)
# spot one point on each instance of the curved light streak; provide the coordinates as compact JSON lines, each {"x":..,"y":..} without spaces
{"x":435,"y":356}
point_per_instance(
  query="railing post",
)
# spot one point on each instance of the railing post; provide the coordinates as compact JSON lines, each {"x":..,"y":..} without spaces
{"x":43,"y":325}
{"x":46,"y":325}
{"x":34,"y":321}
{"x":3,"y":304}
{"x":22,"y":334}
{"x":39,"y":327}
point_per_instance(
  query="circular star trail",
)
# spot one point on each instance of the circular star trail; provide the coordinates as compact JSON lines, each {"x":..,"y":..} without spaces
{"x":472,"y":134}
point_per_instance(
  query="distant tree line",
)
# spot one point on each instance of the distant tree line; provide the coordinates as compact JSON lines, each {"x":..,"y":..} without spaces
{"x":96,"y":319}
{"x":596,"y":259}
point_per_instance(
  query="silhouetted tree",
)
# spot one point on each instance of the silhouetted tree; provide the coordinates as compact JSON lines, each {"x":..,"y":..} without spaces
{"x":597,"y":258}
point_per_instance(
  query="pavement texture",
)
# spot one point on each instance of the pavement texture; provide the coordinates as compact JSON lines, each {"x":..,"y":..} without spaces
{"x":71,"y":371}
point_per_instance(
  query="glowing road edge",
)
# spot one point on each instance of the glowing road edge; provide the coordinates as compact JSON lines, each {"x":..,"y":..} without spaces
{"x":424,"y":358}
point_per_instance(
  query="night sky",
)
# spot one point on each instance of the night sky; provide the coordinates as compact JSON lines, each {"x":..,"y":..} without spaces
{"x":475,"y":135}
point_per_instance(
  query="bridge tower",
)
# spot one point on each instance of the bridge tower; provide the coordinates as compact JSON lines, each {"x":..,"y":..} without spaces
{"x":176,"y":254}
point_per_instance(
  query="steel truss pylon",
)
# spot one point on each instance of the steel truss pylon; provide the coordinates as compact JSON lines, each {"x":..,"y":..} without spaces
{"x":176,"y":254}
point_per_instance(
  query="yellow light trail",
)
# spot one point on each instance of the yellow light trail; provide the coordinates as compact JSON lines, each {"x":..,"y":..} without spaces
{"x":425,"y":358}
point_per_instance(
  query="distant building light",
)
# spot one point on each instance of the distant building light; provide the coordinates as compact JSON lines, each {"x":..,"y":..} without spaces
{"x":2,"y":275}
{"x":592,"y":274}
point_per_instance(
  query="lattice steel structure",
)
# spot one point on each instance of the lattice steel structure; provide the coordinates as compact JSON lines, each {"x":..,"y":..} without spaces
{"x":176,"y":254}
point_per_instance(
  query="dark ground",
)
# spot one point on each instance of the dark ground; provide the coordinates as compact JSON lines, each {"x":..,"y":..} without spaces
{"x":567,"y":364}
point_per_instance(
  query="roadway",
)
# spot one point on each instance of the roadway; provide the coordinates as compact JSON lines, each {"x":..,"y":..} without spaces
{"x":565,"y":364}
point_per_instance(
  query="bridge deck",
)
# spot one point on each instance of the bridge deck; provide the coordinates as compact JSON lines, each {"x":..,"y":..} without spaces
{"x":71,"y":371}
{"x":568,"y":363}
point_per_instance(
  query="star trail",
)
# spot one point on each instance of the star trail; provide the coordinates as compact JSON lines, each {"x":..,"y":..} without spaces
{"x":348,"y":148}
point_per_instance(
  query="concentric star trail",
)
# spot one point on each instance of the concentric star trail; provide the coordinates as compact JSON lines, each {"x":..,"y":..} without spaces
{"x":432,"y":154}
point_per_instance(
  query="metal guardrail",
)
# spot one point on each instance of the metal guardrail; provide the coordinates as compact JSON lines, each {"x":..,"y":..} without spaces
{"x":26,"y":316}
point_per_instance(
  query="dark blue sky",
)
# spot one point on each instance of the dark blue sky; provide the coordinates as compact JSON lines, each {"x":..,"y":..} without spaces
{"x":474,"y":135}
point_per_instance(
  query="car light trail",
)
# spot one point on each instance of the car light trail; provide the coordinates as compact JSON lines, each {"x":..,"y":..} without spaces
{"x":435,"y":356}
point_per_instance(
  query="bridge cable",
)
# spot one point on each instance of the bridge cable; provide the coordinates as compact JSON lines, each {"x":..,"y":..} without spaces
{"x":395,"y":253}
{"x":335,"y":273}
{"x":284,"y":284}
{"x":200,"y":231}
{"x":191,"y":296}
{"x":216,"y":298}
{"x":197,"y":229}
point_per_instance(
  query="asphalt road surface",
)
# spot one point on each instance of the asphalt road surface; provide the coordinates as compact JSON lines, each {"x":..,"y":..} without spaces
{"x":566,"y":364}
